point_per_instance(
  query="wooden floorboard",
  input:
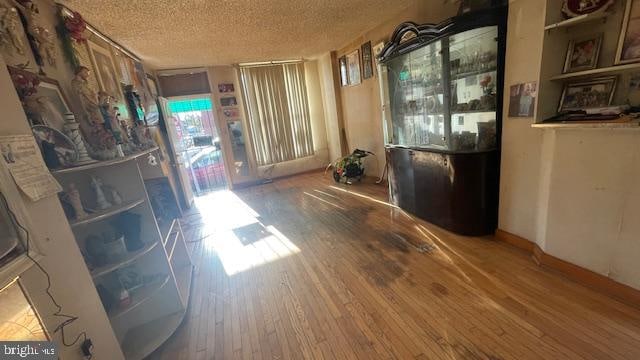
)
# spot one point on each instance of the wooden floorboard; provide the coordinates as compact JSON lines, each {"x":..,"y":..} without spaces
{"x":306,"y":268}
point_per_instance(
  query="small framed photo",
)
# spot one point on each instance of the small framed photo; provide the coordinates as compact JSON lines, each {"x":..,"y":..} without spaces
{"x":586,"y":94}
{"x":231,"y":112}
{"x":629,"y":42}
{"x":353,"y":67}
{"x":228,"y":101}
{"x":583,"y":53}
{"x":226,"y":88}
{"x":344,"y":74}
{"x":367,"y":61}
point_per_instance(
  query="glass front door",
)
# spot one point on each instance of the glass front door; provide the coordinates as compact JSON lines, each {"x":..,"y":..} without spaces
{"x":201,"y":144}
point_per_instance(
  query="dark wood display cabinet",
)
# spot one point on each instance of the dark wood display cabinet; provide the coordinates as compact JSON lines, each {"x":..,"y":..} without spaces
{"x":442,"y":90}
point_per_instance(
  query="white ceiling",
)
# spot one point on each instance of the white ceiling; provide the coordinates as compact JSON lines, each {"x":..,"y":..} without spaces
{"x":184,"y":33}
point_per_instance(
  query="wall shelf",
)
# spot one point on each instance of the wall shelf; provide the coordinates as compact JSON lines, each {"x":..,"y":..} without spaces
{"x":635,"y":124}
{"x":140,"y":296}
{"x":578,"y":20}
{"x":600,"y":71}
{"x":105,"y":163}
{"x":130,"y":258}
{"x":104,"y":214}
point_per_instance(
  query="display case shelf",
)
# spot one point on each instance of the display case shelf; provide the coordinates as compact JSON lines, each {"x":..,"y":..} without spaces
{"x":142,"y":340}
{"x":582,"y":19}
{"x":100,"y":164}
{"x":105,"y":214}
{"x":139,"y":296}
{"x":465,"y":75}
{"x":599,"y":71}
{"x":130,"y":258}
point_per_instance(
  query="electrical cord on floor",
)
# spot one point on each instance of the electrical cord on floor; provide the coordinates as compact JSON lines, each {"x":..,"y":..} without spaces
{"x":69,"y":318}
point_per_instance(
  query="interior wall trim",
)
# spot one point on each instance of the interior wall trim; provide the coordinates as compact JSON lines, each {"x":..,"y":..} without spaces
{"x":593,"y":280}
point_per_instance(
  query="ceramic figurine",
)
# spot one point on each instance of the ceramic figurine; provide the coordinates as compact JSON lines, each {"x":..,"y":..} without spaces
{"x":10,"y":35}
{"x":71,"y":128}
{"x":101,"y":200}
{"x":76,"y":202}
{"x":115,"y":196}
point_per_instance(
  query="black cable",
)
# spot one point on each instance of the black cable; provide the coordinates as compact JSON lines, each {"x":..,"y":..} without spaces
{"x":69,"y":318}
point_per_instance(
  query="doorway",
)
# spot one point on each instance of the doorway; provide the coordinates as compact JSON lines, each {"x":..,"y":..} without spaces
{"x":202,"y":150}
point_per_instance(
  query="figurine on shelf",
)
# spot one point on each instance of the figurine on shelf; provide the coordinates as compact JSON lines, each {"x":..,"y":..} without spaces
{"x":73,"y":196}
{"x":116,"y":198}
{"x":10,"y":35}
{"x":101,"y":200}
{"x":71,"y":128}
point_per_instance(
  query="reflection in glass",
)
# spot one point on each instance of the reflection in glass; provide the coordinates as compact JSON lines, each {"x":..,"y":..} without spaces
{"x":18,"y":321}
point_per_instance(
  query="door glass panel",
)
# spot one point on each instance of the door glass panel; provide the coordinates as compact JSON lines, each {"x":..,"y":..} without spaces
{"x":18,"y":320}
{"x":473,"y":62}
{"x":416,"y":97}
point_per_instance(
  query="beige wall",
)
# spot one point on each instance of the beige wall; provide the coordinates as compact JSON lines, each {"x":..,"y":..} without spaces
{"x":361,"y":105}
{"x":71,"y":283}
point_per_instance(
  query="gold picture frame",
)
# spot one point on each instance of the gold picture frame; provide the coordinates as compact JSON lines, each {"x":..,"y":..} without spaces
{"x":104,"y":69}
{"x":583,"y":53}
{"x":629,"y":44}
{"x":353,"y":67}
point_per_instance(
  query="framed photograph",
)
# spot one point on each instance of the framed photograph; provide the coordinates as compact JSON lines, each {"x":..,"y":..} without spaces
{"x":228,"y":101}
{"x":522,"y":99}
{"x":587,"y":94}
{"x":231,"y":113}
{"x":105,"y":70}
{"x":344,"y":74}
{"x":378,"y":49}
{"x":226,"y":88}
{"x":367,"y":61}
{"x":582,"y":54}
{"x":353,"y":66}
{"x":573,"y":8}
{"x":629,"y":42}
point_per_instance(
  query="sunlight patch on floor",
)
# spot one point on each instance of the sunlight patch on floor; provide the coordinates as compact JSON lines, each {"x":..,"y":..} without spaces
{"x":237,"y":236}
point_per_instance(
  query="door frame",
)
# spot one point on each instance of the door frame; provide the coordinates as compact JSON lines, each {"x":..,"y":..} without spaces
{"x":223,"y":136}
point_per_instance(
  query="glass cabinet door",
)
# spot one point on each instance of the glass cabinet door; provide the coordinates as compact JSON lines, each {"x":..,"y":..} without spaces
{"x":473,"y":60}
{"x":416,"y":97}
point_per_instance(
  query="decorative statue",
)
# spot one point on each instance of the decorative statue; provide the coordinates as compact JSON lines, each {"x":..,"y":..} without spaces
{"x":10,"y":35}
{"x":115,"y":195}
{"x":101,"y":141}
{"x":76,"y":202}
{"x":101,"y":200}
{"x":71,"y":128}
{"x":43,"y":40}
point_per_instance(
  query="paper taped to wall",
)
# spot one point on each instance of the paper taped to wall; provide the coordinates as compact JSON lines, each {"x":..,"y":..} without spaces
{"x":21,"y":155}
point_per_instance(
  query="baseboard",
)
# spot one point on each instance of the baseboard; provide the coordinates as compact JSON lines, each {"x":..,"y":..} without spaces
{"x":574,"y":272}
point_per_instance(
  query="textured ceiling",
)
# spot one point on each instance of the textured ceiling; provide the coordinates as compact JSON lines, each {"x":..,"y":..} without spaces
{"x":183,"y":33}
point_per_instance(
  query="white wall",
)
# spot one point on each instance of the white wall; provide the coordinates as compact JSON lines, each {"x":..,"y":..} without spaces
{"x":71,"y":283}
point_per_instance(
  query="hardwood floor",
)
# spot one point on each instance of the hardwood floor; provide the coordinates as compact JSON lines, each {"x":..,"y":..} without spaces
{"x":332,"y":271}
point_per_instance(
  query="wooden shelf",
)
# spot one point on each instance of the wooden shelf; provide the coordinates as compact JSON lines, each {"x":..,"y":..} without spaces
{"x":100,"y":164}
{"x":578,"y":20}
{"x":142,"y":340}
{"x":130,"y":258}
{"x":104,"y":214}
{"x":139,"y":296}
{"x":600,"y":71}
{"x":589,"y":125}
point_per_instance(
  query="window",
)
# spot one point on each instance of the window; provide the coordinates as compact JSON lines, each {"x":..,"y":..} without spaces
{"x":278,"y":111}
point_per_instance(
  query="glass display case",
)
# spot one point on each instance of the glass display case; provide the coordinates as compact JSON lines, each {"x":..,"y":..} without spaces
{"x":443,"y":95}
{"x":441,"y":88}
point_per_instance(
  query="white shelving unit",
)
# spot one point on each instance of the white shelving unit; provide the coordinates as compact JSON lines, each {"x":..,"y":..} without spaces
{"x":157,"y":305}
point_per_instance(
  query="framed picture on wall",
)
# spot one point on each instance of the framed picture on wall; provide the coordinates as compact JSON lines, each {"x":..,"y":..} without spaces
{"x":105,"y":70}
{"x":231,"y":112}
{"x":377,"y":49}
{"x":592,"y":93}
{"x":367,"y":61}
{"x":228,"y":101}
{"x":583,"y":53}
{"x":353,"y":66}
{"x":226,"y":88}
{"x":344,"y":74}
{"x":629,"y":42}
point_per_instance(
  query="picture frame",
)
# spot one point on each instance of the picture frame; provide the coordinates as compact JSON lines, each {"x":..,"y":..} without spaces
{"x":592,"y":93}
{"x":344,"y":74}
{"x":105,"y":70}
{"x":367,"y":61}
{"x":628,"y":50}
{"x":231,"y":113}
{"x":353,"y":67}
{"x":228,"y":101}
{"x":226,"y":88}
{"x":583,"y":53}
{"x":522,"y":99}
{"x":377,"y":50}
{"x":573,"y":8}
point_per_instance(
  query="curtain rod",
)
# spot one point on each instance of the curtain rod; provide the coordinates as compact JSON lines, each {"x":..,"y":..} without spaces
{"x":269,"y":63}
{"x":69,"y":12}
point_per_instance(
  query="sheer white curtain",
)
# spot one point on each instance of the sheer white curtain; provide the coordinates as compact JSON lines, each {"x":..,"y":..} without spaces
{"x":278,"y":111}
